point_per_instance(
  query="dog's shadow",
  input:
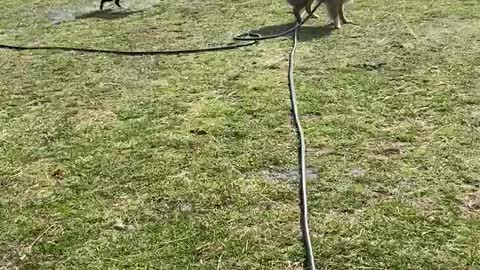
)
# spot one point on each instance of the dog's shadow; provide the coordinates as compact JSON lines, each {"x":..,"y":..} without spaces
{"x":106,"y":14}
{"x":306,"y":33}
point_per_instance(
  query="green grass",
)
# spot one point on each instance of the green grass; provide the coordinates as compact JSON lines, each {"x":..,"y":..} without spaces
{"x":192,"y":153}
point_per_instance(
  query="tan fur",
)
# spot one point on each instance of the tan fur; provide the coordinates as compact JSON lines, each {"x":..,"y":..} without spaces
{"x":299,"y":6}
{"x":336,"y":12}
{"x":335,"y":9}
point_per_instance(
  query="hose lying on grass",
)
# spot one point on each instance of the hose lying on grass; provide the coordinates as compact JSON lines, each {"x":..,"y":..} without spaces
{"x":243,"y":40}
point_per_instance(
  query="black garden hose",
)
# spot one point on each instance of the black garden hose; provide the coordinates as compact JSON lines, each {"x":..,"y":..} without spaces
{"x":243,"y":40}
{"x":309,"y":259}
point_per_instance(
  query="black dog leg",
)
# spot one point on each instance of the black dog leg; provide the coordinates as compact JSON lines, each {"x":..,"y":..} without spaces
{"x":103,"y":2}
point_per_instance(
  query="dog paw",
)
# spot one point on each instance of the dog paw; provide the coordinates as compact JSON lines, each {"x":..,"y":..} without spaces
{"x":336,"y":25}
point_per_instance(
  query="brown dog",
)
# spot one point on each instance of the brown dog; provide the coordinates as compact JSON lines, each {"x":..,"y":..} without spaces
{"x":336,"y":12}
{"x":335,"y":9}
{"x":298,"y":6}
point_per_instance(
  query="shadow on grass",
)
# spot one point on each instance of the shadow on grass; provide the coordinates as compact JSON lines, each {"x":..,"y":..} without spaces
{"x":307,"y":32}
{"x":107,"y":14}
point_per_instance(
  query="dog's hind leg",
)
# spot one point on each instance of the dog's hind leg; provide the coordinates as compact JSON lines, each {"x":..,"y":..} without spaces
{"x":103,"y":2}
{"x":117,"y":2}
{"x":342,"y":14}
{"x":333,"y":8}
{"x":297,"y":12}
{"x":308,"y":8}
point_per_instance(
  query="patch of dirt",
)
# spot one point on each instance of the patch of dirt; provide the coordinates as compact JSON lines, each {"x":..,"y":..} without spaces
{"x":144,"y":4}
{"x":294,"y":266}
{"x":368,"y":65}
{"x":475,"y":118}
{"x":387,"y":151}
{"x":279,"y":61}
{"x":358,"y":172}
{"x":470,"y":205}
{"x":39,"y":179}
{"x":438,"y":34}
{"x":60,"y":16}
{"x":103,"y":118}
{"x":443,"y":28}
{"x":198,"y":132}
{"x":9,"y":256}
{"x":426,"y":205}
{"x":58,"y":174}
{"x":122,"y":225}
{"x":381,"y":193}
{"x":391,"y":151}
{"x":283,"y":175}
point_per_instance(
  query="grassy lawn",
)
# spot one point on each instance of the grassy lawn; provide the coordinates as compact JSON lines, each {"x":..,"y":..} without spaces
{"x":189,"y":162}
